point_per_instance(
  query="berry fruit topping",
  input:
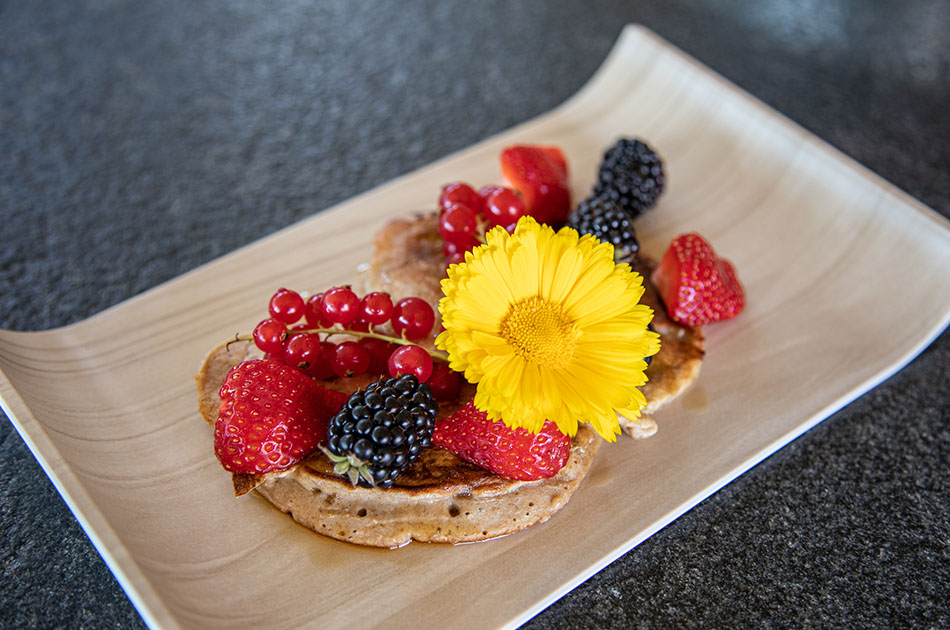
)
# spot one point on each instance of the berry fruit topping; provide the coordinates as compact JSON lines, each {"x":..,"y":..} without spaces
{"x":412,"y":360}
{"x":379,"y":431}
{"x":540,"y":175}
{"x":350,"y":359}
{"x":302,"y":351}
{"x":458,"y":224}
{"x":510,"y":453}
{"x":269,"y":335}
{"x":696,"y":286}
{"x":271,"y":417}
{"x":313,"y":312}
{"x":630,"y":174}
{"x":413,"y":318}
{"x":340,"y":305}
{"x":286,"y":306}
{"x":605,"y":219}
{"x":376,"y":308}
{"x":379,"y":352}
{"x":444,"y":382}
{"x":503,"y":206}
{"x":461,"y":194}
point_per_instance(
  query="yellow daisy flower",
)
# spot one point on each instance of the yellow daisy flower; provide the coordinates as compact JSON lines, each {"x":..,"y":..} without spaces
{"x":548,"y":327}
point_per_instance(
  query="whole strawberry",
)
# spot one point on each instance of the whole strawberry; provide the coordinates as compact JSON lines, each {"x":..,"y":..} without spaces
{"x":696,"y":286}
{"x":271,"y":416}
{"x":510,"y":453}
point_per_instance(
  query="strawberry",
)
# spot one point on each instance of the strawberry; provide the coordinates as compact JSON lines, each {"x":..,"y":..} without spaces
{"x":697,"y":286}
{"x":271,"y":416}
{"x":510,"y":453}
{"x":540,"y":175}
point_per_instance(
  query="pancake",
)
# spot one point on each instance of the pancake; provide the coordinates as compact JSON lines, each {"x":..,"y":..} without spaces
{"x":440,"y":497}
{"x":408,"y":260}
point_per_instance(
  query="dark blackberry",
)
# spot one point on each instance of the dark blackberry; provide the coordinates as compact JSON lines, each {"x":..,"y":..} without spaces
{"x":606,"y":220}
{"x":630,"y":174}
{"x":381,"y":429}
{"x":649,"y":359}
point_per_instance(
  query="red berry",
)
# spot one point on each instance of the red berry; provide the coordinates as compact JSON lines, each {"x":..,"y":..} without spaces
{"x":379,"y":352}
{"x":461,"y":193}
{"x":454,"y":259}
{"x":540,"y":175}
{"x":340,"y":305}
{"x":458,"y":224}
{"x":510,"y":453}
{"x":322,"y":368}
{"x":503,"y":206}
{"x":413,"y":318}
{"x":413,"y":360}
{"x":301,"y":351}
{"x":271,"y":417}
{"x":269,"y":336}
{"x":445,"y":382}
{"x":376,"y":307}
{"x":313,"y":312}
{"x":451,"y":248}
{"x":286,"y":305}
{"x":350,"y":359}
{"x":359,"y":324}
{"x":696,"y":286}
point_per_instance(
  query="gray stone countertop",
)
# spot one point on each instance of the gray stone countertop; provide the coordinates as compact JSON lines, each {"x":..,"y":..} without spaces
{"x":139,"y":140}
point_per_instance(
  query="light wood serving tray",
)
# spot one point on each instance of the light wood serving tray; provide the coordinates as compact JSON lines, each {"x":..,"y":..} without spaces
{"x":847,"y":280}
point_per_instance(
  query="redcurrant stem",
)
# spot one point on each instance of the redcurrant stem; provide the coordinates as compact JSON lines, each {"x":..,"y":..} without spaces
{"x":402,"y":341}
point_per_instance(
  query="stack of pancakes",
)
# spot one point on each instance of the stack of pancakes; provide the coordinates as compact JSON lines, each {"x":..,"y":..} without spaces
{"x":441,"y":498}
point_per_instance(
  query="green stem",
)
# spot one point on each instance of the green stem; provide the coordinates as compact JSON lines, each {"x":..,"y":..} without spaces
{"x":402,"y":341}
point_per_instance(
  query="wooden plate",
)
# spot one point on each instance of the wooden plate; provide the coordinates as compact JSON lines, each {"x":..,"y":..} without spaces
{"x":847,"y":281}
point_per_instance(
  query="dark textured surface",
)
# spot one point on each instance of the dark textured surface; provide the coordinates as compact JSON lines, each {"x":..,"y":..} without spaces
{"x":141,"y":139}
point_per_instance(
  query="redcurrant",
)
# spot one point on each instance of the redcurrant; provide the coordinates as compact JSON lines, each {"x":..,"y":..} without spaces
{"x":503,"y":206}
{"x":322,"y":368}
{"x":269,"y":336}
{"x":376,"y":307}
{"x":350,"y":359}
{"x":340,"y":305}
{"x":461,"y":193}
{"x":286,"y":305}
{"x":313,"y":312}
{"x":445,"y":382}
{"x":457,"y":224}
{"x":379,"y":352}
{"x":413,"y":360}
{"x":302,"y":351}
{"x":413,"y":318}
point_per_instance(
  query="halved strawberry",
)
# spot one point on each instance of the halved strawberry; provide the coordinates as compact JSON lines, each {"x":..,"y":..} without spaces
{"x":696,"y":286}
{"x":271,"y":417}
{"x":510,"y":453}
{"x":540,"y":175}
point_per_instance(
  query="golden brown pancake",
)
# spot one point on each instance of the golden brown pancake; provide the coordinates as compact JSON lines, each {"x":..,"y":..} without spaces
{"x":439,"y":498}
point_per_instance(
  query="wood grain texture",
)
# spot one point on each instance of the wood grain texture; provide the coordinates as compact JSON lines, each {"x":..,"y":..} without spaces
{"x":847,"y":279}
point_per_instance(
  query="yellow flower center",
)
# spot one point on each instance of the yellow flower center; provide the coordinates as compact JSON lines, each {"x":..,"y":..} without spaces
{"x":539,"y":332}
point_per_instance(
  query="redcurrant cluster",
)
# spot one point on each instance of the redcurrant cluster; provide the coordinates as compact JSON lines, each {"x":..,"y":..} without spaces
{"x":298,"y":333}
{"x":465,"y":214}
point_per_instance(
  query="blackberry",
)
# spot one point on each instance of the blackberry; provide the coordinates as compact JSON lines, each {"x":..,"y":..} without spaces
{"x":630,"y":174}
{"x":605,"y":219}
{"x":649,"y":359}
{"x":381,"y":429}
